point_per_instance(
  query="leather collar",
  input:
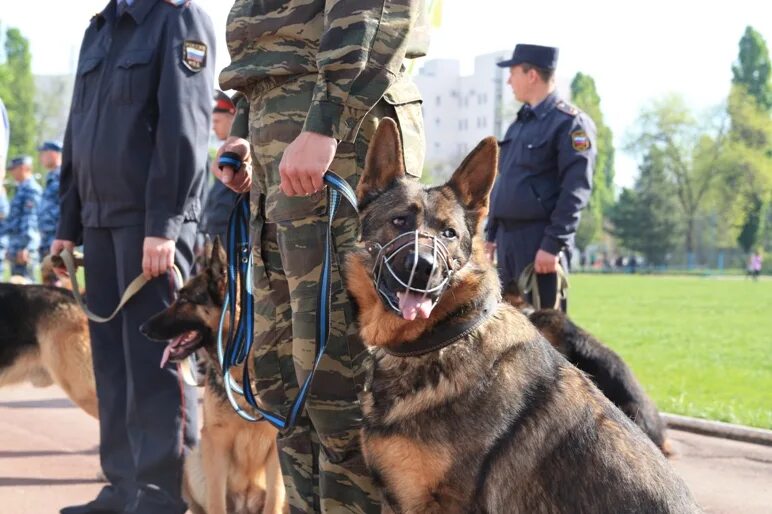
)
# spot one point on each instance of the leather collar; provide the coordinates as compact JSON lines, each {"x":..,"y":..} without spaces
{"x":444,"y":334}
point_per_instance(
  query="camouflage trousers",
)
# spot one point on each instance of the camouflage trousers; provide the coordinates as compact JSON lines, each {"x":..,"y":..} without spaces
{"x":321,"y":459}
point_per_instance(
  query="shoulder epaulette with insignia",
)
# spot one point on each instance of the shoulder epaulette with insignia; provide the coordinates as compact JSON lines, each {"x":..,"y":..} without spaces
{"x":177,"y":3}
{"x":567,"y":108}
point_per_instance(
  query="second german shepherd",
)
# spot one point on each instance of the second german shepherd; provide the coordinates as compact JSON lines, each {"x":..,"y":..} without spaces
{"x":603,"y":365}
{"x":235,"y":469}
{"x":468,"y":408}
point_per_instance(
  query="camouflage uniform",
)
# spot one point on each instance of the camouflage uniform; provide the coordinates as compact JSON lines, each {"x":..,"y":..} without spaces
{"x":334,"y":68}
{"x":48,"y":212}
{"x":21,"y":227}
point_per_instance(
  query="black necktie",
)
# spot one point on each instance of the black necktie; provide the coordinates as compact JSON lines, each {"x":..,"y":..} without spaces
{"x":524,"y":113}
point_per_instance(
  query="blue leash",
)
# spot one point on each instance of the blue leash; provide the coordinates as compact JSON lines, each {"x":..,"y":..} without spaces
{"x":241,"y":335}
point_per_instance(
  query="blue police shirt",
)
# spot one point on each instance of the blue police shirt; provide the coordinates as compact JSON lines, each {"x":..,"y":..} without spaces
{"x":4,"y":207}
{"x":135,"y":147}
{"x":546,"y":162}
{"x":48,"y":212}
{"x":21,"y":225}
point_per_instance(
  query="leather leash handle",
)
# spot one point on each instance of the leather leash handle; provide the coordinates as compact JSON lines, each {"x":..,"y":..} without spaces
{"x":528,"y":283}
{"x":69,"y":263}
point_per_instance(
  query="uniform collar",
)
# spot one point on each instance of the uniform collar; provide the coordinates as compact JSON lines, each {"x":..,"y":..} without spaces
{"x":546,"y":105}
{"x":137,"y":10}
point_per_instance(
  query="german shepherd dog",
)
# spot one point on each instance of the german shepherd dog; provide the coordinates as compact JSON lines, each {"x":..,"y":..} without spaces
{"x":235,"y":469}
{"x":44,"y":340}
{"x":467,"y":407}
{"x":603,"y":365}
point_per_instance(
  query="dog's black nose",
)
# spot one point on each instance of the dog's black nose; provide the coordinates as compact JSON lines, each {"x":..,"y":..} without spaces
{"x":424,"y":264}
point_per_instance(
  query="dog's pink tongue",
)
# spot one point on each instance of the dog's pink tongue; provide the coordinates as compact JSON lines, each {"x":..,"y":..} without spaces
{"x":414,"y":305}
{"x":167,"y":354}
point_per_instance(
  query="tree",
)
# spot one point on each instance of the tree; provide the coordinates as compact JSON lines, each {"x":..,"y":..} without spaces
{"x":747,"y":184}
{"x":17,"y":89}
{"x":646,"y":219}
{"x":752,"y":68}
{"x":690,"y":150}
{"x":753,"y":226}
{"x":585,"y":95}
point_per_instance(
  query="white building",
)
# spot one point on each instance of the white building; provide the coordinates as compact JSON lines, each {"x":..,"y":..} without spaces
{"x":459,"y":111}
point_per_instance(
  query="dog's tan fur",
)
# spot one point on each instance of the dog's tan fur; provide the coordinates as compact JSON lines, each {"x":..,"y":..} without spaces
{"x":235,"y":468}
{"x":61,"y":356}
{"x":497,"y":421}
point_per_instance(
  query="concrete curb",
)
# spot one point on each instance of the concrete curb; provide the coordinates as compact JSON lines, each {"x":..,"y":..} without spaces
{"x":718,"y":429}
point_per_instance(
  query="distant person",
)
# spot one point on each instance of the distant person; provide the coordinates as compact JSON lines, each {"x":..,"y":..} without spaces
{"x":545,"y":175}
{"x":219,"y":198}
{"x":755,"y":264}
{"x":5,"y":131}
{"x":632,"y":264}
{"x":21,"y":225}
{"x":133,"y":168}
{"x":50,"y":156}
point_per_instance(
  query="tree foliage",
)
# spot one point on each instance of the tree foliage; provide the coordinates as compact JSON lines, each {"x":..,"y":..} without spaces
{"x":646,"y":218}
{"x":690,"y":151}
{"x":752,"y":68}
{"x":17,"y":89}
{"x":584,"y":95}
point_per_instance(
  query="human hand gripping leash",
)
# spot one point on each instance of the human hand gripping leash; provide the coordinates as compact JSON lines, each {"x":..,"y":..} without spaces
{"x":240,"y":338}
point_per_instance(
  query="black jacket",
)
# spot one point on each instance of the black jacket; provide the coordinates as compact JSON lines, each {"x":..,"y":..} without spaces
{"x":546,"y":161}
{"x":135,"y":147}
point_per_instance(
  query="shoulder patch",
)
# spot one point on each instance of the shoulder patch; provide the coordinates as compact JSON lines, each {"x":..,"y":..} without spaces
{"x":193,"y":55}
{"x":177,"y":3}
{"x":567,"y":108}
{"x":580,"y":141}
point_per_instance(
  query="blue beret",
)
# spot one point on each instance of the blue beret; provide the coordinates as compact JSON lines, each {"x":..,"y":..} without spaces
{"x":542,"y":56}
{"x":56,"y":146}
{"x":19,"y":161}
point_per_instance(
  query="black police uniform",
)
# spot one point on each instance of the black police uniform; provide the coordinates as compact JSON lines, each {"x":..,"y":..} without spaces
{"x":134,"y":163}
{"x":545,"y":179}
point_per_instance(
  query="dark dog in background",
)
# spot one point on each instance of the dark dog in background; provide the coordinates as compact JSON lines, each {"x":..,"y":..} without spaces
{"x":467,"y":407}
{"x":235,"y":469}
{"x":605,"y":367}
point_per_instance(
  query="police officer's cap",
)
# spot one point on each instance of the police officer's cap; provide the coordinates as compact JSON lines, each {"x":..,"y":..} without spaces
{"x":19,"y":161}
{"x":55,"y":146}
{"x":223,"y":103}
{"x":541,"y":56}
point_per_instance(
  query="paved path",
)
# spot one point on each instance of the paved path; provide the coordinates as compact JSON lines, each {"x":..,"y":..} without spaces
{"x":48,"y":459}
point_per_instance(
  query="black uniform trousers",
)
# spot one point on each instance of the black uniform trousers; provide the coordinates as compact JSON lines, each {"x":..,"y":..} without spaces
{"x":516,"y":247}
{"x":147,"y":415}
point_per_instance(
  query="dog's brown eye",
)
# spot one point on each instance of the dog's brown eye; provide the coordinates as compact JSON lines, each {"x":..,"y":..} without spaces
{"x":449,"y":233}
{"x":399,"y":221}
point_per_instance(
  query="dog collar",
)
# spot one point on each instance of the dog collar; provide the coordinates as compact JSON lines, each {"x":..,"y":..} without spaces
{"x":444,"y":334}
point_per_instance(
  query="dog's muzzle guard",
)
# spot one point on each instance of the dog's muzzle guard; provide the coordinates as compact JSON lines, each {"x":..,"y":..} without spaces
{"x":411,"y":245}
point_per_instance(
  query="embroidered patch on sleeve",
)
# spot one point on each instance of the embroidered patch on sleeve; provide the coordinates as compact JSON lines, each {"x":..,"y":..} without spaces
{"x":580,"y":141}
{"x":193,"y":55}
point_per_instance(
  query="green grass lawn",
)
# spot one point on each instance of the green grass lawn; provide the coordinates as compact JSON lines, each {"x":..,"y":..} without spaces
{"x":700,"y":346}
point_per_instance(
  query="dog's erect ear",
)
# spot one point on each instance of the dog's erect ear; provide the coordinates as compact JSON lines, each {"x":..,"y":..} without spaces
{"x":218,"y":261}
{"x":473,"y":180}
{"x":384,"y":162}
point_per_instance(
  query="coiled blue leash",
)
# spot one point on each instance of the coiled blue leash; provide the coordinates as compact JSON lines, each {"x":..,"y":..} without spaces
{"x":241,"y":335}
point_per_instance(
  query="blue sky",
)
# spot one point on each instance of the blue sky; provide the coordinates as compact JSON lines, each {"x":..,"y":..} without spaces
{"x":635,"y":51}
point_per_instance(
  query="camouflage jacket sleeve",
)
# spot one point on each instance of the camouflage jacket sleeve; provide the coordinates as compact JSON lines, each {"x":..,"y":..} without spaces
{"x":240,"y":127}
{"x":360,"y":56}
{"x":576,"y":159}
{"x":184,"y":120}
